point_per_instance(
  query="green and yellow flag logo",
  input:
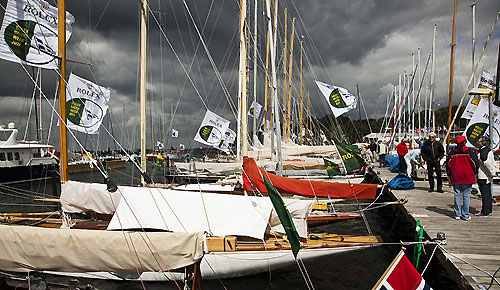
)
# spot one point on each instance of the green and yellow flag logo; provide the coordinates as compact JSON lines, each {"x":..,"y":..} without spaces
{"x":336,"y":99}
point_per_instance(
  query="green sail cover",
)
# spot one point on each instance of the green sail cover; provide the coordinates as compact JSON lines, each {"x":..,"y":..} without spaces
{"x":285,"y":217}
{"x":351,"y":156}
{"x":331,"y":168}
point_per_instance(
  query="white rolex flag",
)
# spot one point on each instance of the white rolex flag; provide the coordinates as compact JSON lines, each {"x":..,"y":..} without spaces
{"x":29,"y":33}
{"x":255,"y":107}
{"x":212,"y":129}
{"x":175,"y":133}
{"x":479,"y":125}
{"x":86,"y":105}
{"x":340,"y":100}
{"x":487,"y":81}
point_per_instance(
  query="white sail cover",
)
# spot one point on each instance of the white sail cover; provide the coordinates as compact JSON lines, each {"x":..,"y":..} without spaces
{"x":220,"y":214}
{"x":29,"y":33}
{"x":26,"y":248}
{"x":87,"y":105}
{"x":79,"y":197}
{"x":339,"y":99}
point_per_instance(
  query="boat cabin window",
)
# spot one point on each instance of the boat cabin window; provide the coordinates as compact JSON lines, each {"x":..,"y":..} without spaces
{"x":16,"y":156}
{"x":9,"y":156}
{"x":2,"y":156}
{"x":37,"y":155}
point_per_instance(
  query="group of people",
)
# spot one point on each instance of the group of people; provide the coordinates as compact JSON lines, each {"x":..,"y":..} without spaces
{"x":464,"y":167}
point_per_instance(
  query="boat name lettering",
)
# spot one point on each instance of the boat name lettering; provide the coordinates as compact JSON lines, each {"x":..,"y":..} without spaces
{"x":39,"y":14}
{"x":88,"y":93}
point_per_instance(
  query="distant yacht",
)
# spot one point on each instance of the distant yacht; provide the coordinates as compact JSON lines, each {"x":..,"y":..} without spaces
{"x":22,"y":161}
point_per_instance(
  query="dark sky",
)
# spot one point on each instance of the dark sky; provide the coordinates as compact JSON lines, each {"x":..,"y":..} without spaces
{"x":346,"y":43}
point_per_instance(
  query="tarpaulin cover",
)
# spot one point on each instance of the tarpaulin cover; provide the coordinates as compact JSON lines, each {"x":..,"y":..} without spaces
{"x":401,"y":181}
{"x":25,"y":248}
{"x":252,"y":180}
{"x":393,"y":161}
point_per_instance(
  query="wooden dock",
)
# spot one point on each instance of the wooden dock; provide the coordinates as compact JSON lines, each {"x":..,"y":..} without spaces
{"x":472,"y":249}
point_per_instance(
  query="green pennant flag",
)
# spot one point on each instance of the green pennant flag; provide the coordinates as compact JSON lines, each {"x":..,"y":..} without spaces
{"x":353,"y":160}
{"x":285,"y":217}
{"x":331,"y":168}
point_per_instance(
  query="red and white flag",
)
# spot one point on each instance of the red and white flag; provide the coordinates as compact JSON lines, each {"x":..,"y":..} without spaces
{"x":401,"y":275}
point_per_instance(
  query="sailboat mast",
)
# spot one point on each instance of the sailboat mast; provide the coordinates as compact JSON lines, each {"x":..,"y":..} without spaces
{"x":433,"y":79}
{"x":473,"y":7}
{"x":254,"y":139}
{"x":62,"y":90}
{"x":285,"y":117}
{"x":410,"y":106}
{"x":301,"y":94}
{"x":450,"y":98}
{"x":243,"y":81}
{"x":418,"y":96}
{"x":400,"y":98}
{"x":289,"y":124}
{"x":308,"y":132}
{"x":142,"y":90}
{"x":274,"y":84}
{"x":266,"y":82}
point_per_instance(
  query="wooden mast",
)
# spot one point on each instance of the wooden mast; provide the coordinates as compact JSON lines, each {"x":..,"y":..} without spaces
{"x":308,"y":132}
{"x":289,"y":112}
{"x":142,"y":91}
{"x":285,"y":117}
{"x":62,"y":90}
{"x":450,"y":99}
{"x":301,"y":94}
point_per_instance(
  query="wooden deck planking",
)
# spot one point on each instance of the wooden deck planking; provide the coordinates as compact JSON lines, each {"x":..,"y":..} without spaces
{"x":476,"y":241}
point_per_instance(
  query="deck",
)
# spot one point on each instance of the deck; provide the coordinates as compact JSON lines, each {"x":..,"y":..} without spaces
{"x":473,"y":246}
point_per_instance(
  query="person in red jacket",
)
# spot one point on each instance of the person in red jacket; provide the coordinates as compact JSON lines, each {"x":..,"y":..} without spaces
{"x":462,"y":166}
{"x":402,"y":151}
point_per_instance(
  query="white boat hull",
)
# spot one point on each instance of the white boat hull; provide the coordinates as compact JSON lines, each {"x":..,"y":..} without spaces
{"x":223,"y":265}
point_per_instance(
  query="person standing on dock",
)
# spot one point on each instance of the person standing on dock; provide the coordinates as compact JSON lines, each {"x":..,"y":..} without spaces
{"x":373,"y":151}
{"x":487,"y":169}
{"x":382,"y":152}
{"x":402,"y":151}
{"x":432,"y":152}
{"x":462,"y":166}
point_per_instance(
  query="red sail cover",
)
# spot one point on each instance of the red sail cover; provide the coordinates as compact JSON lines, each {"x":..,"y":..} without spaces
{"x":252,"y":180}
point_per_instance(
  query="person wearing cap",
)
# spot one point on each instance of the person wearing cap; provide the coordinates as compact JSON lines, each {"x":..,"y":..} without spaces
{"x":462,"y":166}
{"x":402,"y":150}
{"x":487,"y":169}
{"x":432,"y":152}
